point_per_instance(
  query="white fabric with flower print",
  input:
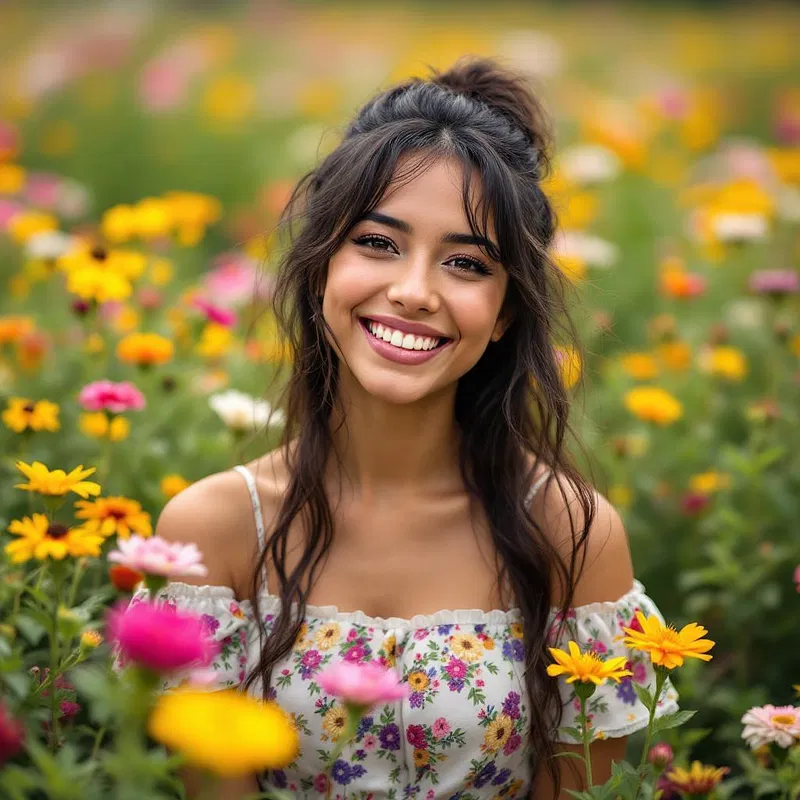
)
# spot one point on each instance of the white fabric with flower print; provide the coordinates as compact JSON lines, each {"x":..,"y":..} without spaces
{"x":463,"y":731}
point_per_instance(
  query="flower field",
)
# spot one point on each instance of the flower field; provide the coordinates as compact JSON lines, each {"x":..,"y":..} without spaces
{"x":145,"y":157}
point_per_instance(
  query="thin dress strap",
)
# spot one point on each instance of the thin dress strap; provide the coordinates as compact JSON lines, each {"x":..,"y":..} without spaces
{"x":255,"y":500}
{"x":537,"y":484}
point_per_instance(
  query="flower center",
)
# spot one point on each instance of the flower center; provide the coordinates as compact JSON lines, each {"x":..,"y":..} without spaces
{"x":29,"y":408}
{"x":783,"y":719}
{"x":99,"y":253}
{"x":57,"y":531}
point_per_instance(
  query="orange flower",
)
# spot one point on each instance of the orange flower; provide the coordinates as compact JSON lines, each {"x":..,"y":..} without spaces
{"x":667,"y":646}
{"x":145,"y":349}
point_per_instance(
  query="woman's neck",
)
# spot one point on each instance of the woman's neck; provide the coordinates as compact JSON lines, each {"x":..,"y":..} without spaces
{"x":381,"y":446}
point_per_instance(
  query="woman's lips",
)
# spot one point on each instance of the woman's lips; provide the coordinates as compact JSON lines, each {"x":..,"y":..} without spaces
{"x":398,"y":354}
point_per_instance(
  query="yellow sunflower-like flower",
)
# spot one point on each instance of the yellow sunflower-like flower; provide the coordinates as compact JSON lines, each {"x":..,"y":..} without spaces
{"x":652,"y":404}
{"x":586,"y":667}
{"x":699,"y":779}
{"x":327,"y":636}
{"x":498,"y":732}
{"x":727,"y":363}
{"x":96,"y":283}
{"x":109,"y":515}
{"x":57,"y":482}
{"x":145,"y":349}
{"x":41,"y":539}
{"x":23,"y":414}
{"x":334,"y":721}
{"x":466,"y":646}
{"x":215,"y":341}
{"x":668,"y":647}
{"x":418,"y":681}
{"x":255,"y":735}
{"x":421,"y":758}
{"x":173,"y":484}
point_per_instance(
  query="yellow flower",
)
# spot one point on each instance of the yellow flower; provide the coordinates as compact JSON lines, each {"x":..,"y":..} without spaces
{"x":96,"y":283}
{"x":640,"y":366}
{"x":569,"y":365}
{"x":56,"y":482}
{"x":676,"y":355}
{"x":390,"y":649}
{"x":119,"y":223}
{"x":90,"y":640}
{"x":620,"y":495}
{"x":498,"y":732}
{"x":215,"y":341}
{"x":698,"y":780}
{"x":728,"y":363}
{"x":334,"y":721}
{"x":191,"y":214}
{"x":327,"y":636}
{"x":709,"y":482}
{"x":786,"y":163}
{"x":667,"y":646}
{"x":572,"y":267}
{"x":652,"y":404}
{"x":126,"y":320}
{"x":27,"y":224}
{"x":110,"y":515}
{"x":516,"y":630}
{"x":14,"y":328}
{"x":145,"y":349}
{"x":418,"y":681}
{"x":227,"y":732}
{"x":23,"y":414}
{"x":421,"y":758}
{"x":97,"y":425}
{"x":229,"y":98}
{"x":161,"y":271}
{"x":41,"y":539}
{"x":94,"y":343}
{"x":173,"y":484}
{"x":586,"y":667}
{"x":466,"y":646}
{"x":12,"y":178}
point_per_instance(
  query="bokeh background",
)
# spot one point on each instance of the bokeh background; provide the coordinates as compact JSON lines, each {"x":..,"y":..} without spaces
{"x":171,"y":134}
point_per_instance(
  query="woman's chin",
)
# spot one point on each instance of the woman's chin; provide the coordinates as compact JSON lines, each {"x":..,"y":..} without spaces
{"x":395,"y":390}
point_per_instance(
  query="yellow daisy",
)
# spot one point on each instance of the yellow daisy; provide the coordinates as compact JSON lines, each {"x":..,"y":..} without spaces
{"x":667,"y":646}
{"x":23,"y":414}
{"x":334,"y":721}
{"x":327,"y":636}
{"x":109,"y":515}
{"x":227,"y":732}
{"x":56,"y":482}
{"x":699,"y":779}
{"x":421,"y":758}
{"x":41,"y":539}
{"x":466,"y":646}
{"x":418,"y":681}
{"x":498,"y":732}
{"x":586,"y":667}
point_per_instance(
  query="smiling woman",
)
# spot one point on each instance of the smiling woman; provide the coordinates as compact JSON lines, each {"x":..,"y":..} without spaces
{"x":422,"y":510}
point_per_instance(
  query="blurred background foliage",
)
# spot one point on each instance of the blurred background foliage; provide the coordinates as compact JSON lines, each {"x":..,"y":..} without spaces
{"x":677,"y":172}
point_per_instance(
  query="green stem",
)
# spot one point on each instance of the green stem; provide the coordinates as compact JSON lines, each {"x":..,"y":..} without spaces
{"x":587,"y":739}
{"x":661,"y":676}
{"x":73,"y":589}
{"x":55,"y":655}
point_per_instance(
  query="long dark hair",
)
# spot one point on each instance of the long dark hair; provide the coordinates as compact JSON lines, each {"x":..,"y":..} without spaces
{"x":511,"y":407}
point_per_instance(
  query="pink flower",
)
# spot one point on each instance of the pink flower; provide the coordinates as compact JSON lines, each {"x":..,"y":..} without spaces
{"x":163,"y":85}
{"x":12,"y":735}
{"x":512,"y":744}
{"x":8,"y":210}
{"x":766,"y":724}
{"x":440,"y":728}
{"x":693,"y":503}
{"x":362,"y":684}
{"x":110,"y":396}
{"x":214,"y":313}
{"x":156,"y":556}
{"x":660,"y":755}
{"x":234,"y":280}
{"x":775,"y":281}
{"x":321,"y":783}
{"x":797,"y":577}
{"x":370,"y":742}
{"x":159,"y":637}
{"x":69,"y":709}
{"x":415,"y":734}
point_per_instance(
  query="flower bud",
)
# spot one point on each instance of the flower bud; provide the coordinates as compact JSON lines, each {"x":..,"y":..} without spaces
{"x":90,"y":640}
{"x":660,"y":755}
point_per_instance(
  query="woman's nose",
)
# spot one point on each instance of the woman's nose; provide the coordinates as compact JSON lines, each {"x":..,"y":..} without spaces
{"x":414,"y":288}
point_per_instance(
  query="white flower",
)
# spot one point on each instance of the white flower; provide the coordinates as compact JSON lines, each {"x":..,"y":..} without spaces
{"x":241,"y":412}
{"x":49,"y":245}
{"x":739,"y":227}
{"x":156,"y":556}
{"x":766,"y":724}
{"x":592,"y":250}
{"x":590,"y":163}
{"x":533,"y":52}
{"x":746,"y":313}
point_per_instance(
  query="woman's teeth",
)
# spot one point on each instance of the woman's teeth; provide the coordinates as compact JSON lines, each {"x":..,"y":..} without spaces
{"x":407,"y":341}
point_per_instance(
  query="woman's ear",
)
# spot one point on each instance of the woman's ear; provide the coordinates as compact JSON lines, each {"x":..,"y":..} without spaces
{"x":502,"y":324}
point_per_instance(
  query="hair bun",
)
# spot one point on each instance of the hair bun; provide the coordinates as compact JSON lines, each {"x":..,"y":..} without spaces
{"x":503,"y":90}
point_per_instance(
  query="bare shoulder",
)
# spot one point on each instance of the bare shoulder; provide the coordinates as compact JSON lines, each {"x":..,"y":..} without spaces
{"x":607,"y":572}
{"x":216,"y":514}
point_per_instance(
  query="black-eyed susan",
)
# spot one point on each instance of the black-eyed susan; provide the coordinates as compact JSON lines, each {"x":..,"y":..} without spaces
{"x":145,"y":349}
{"x":586,"y":667}
{"x":653,"y":404}
{"x":109,"y":515}
{"x":699,"y":779}
{"x":667,"y":646}
{"x":57,"y":482}
{"x":227,"y":732}
{"x":498,"y":732}
{"x":23,"y":414}
{"x":41,"y":539}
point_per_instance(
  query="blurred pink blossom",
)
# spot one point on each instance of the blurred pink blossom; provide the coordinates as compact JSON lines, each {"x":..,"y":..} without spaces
{"x":8,"y":209}
{"x":775,"y":281}
{"x":42,"y":190}
{"x":215,"y":313}
{"x":233,"y":281}
{"x":673,"y":102}
{"x":156,"y":556}
{"x":797,"y":577}
{"x":163,"y":86}
{"x":110,"y":396}
{"x":159,"y":637}
{"x":362,"y":684}
{"x":9,"y":139}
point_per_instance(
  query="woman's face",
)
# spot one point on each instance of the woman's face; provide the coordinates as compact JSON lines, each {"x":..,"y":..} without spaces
{"x":411,"y":311}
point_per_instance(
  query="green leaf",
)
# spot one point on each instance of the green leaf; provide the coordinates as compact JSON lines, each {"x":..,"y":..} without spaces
{"x":669,"y":721}
{"x":568,"y":754}
{"x":644,"y":695}
{"x":18,"y":682}
{"x":575,"y":733}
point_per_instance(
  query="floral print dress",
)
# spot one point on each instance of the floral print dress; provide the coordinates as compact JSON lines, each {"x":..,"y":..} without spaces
{"x":463,"y":730}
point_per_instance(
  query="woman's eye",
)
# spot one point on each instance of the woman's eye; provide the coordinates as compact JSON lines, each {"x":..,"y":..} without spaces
{"x":381,"y":243}
{"x":472,"y":265}
{"x":380,"y":240}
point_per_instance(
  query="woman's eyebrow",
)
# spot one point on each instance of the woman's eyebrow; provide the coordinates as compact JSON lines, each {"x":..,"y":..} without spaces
{"x":448,"y":238}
